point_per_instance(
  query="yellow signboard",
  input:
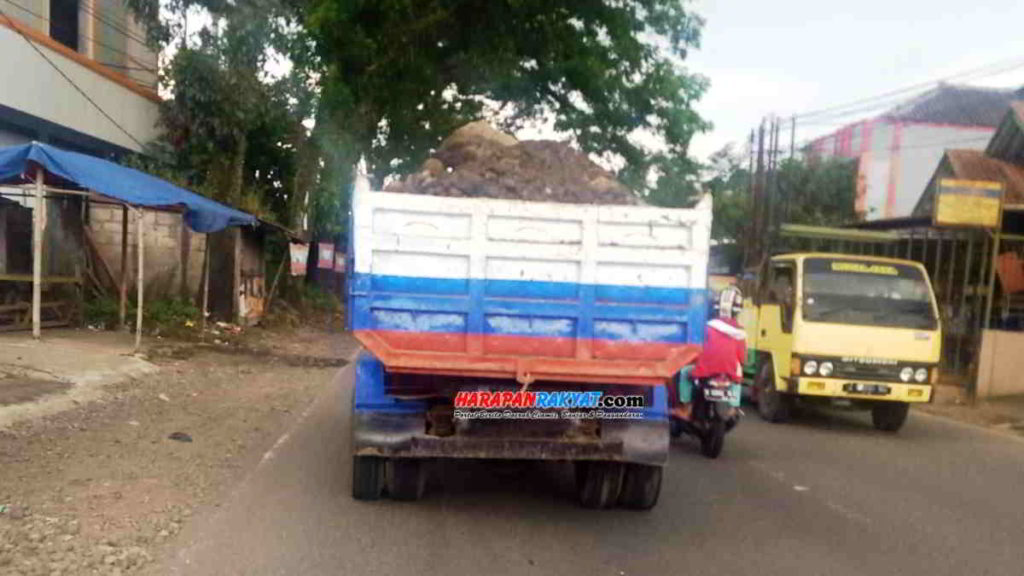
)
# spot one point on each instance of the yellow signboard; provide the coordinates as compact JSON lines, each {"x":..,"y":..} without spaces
{"x":968,"y":203}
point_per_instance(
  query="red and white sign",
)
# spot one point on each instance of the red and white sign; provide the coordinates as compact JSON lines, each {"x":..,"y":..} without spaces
{"x":325,"y":256}
{"x":298,"y":253}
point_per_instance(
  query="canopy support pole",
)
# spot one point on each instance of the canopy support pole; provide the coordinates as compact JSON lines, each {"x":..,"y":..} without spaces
{"x":139,"y":217}
{"x":38,"y":219}
{"x":206,"y":286}
{"x":124,"y":269}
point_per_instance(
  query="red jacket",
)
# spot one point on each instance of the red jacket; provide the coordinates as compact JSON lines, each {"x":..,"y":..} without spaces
{"x":725,"y":349}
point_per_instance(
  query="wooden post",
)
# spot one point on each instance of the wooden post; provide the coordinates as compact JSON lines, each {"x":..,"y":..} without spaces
{"x":206,"y":286}
{"x":992,"y":273}
{"x":140,"y":226}
{"x":277,"y":278}
{"x":124,"y":268}
{"x":38,"y":221}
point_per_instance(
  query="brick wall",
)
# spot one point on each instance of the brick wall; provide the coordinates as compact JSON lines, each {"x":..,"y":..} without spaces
{"x":163,"y":248}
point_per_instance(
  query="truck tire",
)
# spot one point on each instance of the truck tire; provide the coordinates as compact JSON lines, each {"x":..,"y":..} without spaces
{"x":772,"y":405}
{"x":641,"y":486}
{"x":889,"y":416}
{"x":367,"y":477}
{"x":713,"y":439}
{"x":675,"y":428}
{"x":407,"y":479}
{"x":599,"y":483}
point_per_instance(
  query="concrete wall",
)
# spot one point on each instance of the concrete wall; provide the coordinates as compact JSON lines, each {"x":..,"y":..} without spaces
{"x":45,"y":94}
{"x":896,"y":160}
{"x":921,"y":149}
{"x":1001,"y":369}
{"x":164,"y":251}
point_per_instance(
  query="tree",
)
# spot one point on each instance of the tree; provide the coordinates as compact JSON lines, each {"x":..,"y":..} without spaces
{"x":386,"y":80}
{"x":820,"y":192}
{"x":228,"y":128}
{"x":398,"y":75}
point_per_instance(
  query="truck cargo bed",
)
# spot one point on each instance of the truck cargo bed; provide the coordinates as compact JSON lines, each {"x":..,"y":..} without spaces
{"x":527,"y":290}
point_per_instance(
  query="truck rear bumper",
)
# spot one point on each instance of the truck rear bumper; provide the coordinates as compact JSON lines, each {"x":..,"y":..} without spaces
{"x":403,"y":435}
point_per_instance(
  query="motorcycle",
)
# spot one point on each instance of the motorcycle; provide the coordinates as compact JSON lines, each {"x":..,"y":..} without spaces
{"x":713,"y":413}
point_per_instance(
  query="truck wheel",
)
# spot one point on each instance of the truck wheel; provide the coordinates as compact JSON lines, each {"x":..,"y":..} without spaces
{"x":407,"y":478}
{"x":889,"y":416}
{"x":641,"y":486}
{"x":599,"y":483}
{"x":713,"y":439}
{"x":367,"y":477}
{"x":675,"y":427}
{"x":772,"y":405}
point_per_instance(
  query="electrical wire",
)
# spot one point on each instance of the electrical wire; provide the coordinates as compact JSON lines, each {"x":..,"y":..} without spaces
{"x":65,"y":27}
{"x":879,"y":100}
{"x":119,"y":27}
{"x":53,"y":65}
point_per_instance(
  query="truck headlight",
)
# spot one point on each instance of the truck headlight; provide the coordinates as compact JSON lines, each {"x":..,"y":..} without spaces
{"x":921,"y":374}
{"x":826,"y":369}
{"x":906,"y":374}
{"x":810,"y":367}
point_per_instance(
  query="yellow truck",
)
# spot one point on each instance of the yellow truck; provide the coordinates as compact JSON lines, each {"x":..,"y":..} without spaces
{"x":841,"y":329}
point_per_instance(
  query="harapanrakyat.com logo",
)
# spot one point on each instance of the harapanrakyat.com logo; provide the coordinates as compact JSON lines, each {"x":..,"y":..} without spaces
{"x":540,"y":405}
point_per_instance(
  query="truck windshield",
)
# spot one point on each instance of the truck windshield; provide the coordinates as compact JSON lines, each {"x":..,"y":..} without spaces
{"x":866,"y":293}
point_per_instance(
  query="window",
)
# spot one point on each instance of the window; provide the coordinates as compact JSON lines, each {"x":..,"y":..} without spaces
{"x":781,"y":290}
{"x":64,"y":22}
{"x":867,"y":294}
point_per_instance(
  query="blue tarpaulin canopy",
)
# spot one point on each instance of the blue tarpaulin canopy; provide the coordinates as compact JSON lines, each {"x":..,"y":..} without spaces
{"x":118,"y":182}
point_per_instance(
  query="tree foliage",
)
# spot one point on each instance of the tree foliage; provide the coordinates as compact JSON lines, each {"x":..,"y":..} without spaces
{"x":398,"y":75}
{"x":820,"y":192}
{"x":387,"y":80}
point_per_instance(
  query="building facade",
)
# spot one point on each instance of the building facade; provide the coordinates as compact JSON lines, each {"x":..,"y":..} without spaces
{"x":898,"y":151}
{"x":76,"y":74}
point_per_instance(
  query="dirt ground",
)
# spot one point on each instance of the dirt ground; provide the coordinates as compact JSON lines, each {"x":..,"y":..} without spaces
{"x":1005,"y":414}
{"x":100,"y":488}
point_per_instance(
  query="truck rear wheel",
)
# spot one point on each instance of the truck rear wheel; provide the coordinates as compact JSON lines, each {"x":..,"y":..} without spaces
{"x":599,"y":483}
{"x":367,"y":477}
{"x":889,"y":416}
{"x":407,"y":479}
{"x":641,"y":486}
{"x":772,"y":405}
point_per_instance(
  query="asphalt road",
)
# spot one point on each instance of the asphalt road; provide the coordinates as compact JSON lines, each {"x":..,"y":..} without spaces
{"x":825,"y":495}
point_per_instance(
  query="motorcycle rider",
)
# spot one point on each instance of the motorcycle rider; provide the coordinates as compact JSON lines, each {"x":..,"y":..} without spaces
{"x":725,"y":349}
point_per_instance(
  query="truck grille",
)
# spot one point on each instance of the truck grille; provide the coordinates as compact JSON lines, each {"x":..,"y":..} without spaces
{"x":868,"y":371}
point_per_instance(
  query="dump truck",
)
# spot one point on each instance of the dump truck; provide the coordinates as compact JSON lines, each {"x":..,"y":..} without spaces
{"x":515,"y":301}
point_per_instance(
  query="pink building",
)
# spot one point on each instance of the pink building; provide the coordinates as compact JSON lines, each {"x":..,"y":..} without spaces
{"x":898,"y":151}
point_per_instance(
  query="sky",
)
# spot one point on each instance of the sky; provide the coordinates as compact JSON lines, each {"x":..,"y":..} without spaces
{"x":786,"y":57}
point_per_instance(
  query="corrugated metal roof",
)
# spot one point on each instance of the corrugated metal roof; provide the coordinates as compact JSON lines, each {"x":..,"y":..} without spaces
{"x":1007,"y":143}
{"x":974,"y":165}
{"x":952,"y":104}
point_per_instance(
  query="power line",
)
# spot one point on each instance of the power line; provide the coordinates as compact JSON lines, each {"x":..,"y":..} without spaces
{"x":70,"y":81}
{"x":65,"y":27}
{"x":880,"y":99}
{"x":934,"y":144}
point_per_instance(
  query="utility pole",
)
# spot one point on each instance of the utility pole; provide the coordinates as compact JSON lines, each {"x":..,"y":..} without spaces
{"x":758,"y":196}
{"x":750,"y":232}
{"x":792,"y":137}
{"x":772,"y":201}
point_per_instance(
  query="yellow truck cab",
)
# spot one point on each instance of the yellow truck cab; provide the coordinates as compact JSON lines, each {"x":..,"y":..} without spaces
{"x":841,"y":329}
